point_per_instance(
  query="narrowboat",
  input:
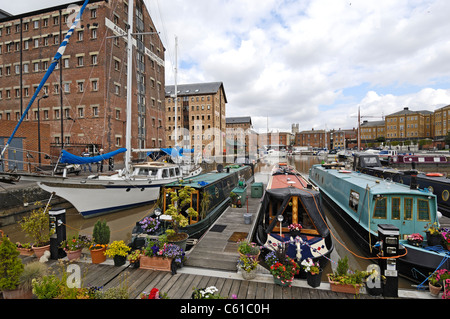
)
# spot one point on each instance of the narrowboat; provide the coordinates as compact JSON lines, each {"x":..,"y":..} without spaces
{"x":289,"y":197}
{"x":210,"y":198}
{"x":436,"y":182}
{"x":360,"y":202}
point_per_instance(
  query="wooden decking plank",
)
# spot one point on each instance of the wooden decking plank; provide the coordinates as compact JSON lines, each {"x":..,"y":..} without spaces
{"x":195,"y":283}
{"x":235,"y":285}
{"x":156,"y":282}
{"x":185,"y":283}
{"x":172,"y":284}
{"x":141,"y":277}
{"x":226,"y":287}
{"x":268,"y":293}
{"x":242,"y":294}
{"x":251,"y":291}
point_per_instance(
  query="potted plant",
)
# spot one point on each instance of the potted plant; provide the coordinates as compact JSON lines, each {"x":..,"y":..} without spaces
{"x":210,"y":292}
{"x":415,"y":239}
{"x":282,"y":267}
{"x":37,"y":226}
{"x":74,"y":246}
{"x":24,"y":249}
{"x":295,"y":229}
{"x":246,"y":248}
{"x":118,"y":250}
{"x":179,"y":200}
{"x":445,"y":233}
{"x":234,"y":198}
{"x":100,"y":236}
{"x":153,"y":294}
{"x":31,"y":272}
{"x":446,"y":294}
{"x":248,"y":267}
{"x":345,"y":280}
{"x":374,"y":282}
{"x":149,"y":225}
{"x":433,"y":234}
{"x":160,"y":255}
{"x":314,"y":272}
{"x":134,"y":258}
{"x":434,"y":285}
{"x":11,"y":268}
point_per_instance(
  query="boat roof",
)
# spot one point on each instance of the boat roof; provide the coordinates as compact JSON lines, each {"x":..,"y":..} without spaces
{"x":202,"y":180}
{"x":284,"y":175}
{"x":377,"y":185}
{"x":154,"y":165}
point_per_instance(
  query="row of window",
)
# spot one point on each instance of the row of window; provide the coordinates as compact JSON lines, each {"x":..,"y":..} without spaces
{"x":423,"y":209}
{"x":45,"y":113}
{"x":43,"y":64}
{"x":81,"y":87}
{"x":44,"y":22}
{"x":51,"y":39}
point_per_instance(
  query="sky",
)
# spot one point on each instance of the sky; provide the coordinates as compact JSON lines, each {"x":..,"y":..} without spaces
{"x":311,"y":62}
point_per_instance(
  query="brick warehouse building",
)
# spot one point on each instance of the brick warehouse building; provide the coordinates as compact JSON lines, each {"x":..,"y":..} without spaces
{"x":86,"y":104}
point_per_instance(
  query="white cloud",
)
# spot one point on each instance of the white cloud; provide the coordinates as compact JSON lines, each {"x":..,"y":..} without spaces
{"x":302,"y":61}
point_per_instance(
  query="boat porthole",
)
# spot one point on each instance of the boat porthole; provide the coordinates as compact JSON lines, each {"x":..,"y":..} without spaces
{"x":142,"y":189}
{"x":128,"y":189}
{"x":445,"y":195}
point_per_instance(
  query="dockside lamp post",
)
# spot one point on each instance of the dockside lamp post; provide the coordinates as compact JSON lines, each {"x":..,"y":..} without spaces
{"x":39,"y":127}
{"x":389,"y":236}
{"x":280,"y":219}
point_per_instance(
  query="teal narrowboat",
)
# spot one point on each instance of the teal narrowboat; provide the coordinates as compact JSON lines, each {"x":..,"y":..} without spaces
{"x":361,"y":202}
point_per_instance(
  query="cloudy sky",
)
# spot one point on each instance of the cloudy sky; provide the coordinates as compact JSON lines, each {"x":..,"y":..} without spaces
{"x":311,"y":62}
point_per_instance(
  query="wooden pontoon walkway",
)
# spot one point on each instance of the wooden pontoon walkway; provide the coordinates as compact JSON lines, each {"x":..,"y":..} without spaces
{"x":211,"y":263}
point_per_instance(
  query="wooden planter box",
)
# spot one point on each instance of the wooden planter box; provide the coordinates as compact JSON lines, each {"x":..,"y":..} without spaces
{"x":155,"y":263}
{"x":345,"y":288}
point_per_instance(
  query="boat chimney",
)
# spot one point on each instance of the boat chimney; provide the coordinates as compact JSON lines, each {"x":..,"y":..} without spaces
{"x":413,"y":173}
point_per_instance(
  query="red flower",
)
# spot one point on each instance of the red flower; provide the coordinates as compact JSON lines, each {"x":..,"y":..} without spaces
{"x":153,"y":293}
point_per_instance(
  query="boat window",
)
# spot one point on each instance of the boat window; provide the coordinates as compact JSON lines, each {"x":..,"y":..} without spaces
{"x":354,"y":200}
{"x":380,"y":208}
{"x":408,"y":209}
{"x":177,"y":171}
{"x":154,"y":171}
{"x":165,"y":173}
{"x":143,"y":171}
{"x":172,"y":172}
{"x":423,"y":210}
{"x":445,"y":195}
{"x":395,"y":209}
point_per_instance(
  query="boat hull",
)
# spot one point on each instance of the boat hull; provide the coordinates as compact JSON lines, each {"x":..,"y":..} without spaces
{"x":94,"y":198}
{"x":416,"y":264}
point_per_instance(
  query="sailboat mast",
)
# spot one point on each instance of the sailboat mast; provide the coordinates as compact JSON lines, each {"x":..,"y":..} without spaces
{"x":176,"y":91}
{"x":129,"y":85}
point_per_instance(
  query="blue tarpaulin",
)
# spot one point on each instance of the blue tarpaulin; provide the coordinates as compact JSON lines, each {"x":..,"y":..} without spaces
{"x":176,"y":151}
{"x":69,"y":158}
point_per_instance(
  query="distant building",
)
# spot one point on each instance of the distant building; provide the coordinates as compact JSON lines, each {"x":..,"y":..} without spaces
{"x":86,"y":104}
{"x":238,"y":144}
{"x":407,"y":125}
{"x":312,"y":138}
{"x":200,"y":116}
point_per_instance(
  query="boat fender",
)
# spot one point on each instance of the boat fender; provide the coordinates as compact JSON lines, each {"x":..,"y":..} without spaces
{"x":434,"y":174}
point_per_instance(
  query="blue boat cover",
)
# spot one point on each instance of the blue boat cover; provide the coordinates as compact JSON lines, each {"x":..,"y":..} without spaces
{"x":69,"y":158}
{"x":175,"y":152}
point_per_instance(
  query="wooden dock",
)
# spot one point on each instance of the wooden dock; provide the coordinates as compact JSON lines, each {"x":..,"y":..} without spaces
{"x":217,"y":249}
{"x":212,"y":262}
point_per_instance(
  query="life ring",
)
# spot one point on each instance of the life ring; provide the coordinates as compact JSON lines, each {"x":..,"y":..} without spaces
{"x":434,"y":174}
{"x":344,"y":171}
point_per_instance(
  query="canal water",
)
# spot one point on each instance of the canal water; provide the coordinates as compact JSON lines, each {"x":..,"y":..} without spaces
{"x":122,"y":223}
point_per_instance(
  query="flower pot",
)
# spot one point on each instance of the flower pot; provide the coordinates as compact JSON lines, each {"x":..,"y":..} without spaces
{"x":345,"y":288}
{"x":39,"y":251}
{"x":248,"y":275}
{"x":433,"y":240}
{"x":155,"y":263}
{"x":434,"y":290}
{"x":26,"y":251}
{"x":294,"y":233}
{"x":119,"y":260}
{"x":180,"y":242}
{"x":18,"y":294}
{"x":98,"y":255}
{"x":314,"y":280}
{"x":73,"y":254}
{"x":281,"y":283}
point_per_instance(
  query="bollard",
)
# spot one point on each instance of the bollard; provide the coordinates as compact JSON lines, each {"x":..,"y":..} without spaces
{"x":57,"y":223}
{"x":389,"y":236}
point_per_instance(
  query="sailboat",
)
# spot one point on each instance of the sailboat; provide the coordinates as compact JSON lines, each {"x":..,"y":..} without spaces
{"x":134,"y":185}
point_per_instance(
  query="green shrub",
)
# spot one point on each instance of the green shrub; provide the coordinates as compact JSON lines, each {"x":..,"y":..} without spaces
{"x":11,"y":266}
